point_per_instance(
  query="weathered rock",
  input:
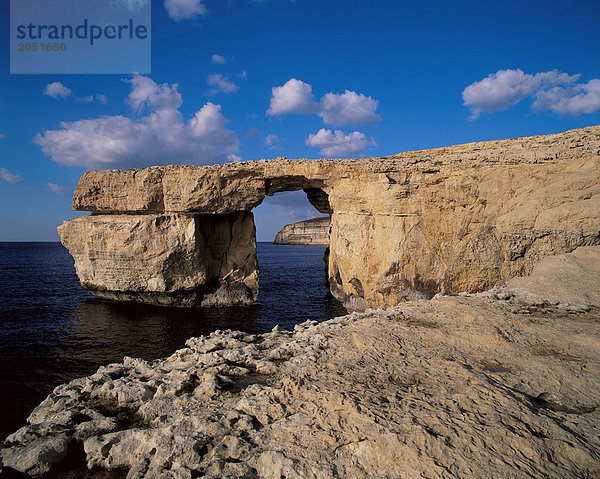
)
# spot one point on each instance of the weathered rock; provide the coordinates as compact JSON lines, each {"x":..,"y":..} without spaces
{"x":167,"y":259}
{"x":39,"y":456}
{"x":461,"y":386}
{"x":461,"y":218}
{"x":314,"y":232}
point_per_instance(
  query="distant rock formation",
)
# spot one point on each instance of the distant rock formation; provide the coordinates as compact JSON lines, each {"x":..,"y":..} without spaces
{"x":312,"y":232}
{"x":461,"y":218}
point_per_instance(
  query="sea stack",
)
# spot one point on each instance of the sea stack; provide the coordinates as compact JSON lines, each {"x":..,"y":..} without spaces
{"x":314,"y":231}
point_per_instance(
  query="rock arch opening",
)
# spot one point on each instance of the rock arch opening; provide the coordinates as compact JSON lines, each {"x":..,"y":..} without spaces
{"x":292,"y":252}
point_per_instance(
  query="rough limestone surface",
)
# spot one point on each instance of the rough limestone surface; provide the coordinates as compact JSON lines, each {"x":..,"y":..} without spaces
{"x":168,"y":259}
{"x":496,"y":384}
{"x":460,"y":218}
{"x":311,"y":232}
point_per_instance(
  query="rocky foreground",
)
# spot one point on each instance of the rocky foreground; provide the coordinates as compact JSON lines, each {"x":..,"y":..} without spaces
{"x":497,"y":384}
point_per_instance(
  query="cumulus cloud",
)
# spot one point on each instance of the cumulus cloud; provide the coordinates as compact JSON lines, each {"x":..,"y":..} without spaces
{"x":219,"y":59}
{"x":553,"y":90}
{"x":234,"y":157}
{"x":185,"y":9}
{"x":57,"y":90}
{"x":294,"y":96}
{"x":221,"y":84}
{"x":161,"y":136}
{"x":59,"y":190}
{"x":348,"y":108}
{"x":572,"y":100}
{"x":10,"y":177}
{"x":272,"y":141}
{"x":337,"y":143}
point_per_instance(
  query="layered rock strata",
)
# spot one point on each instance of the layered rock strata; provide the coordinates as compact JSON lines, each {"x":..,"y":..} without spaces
{"x":498,"y":384}
{"x":461,"y":218}
{"x":309,"y":232}
{"x":177,"y":259}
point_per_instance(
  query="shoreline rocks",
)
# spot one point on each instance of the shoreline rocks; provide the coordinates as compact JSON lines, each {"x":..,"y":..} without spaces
{"x":496,"y":384}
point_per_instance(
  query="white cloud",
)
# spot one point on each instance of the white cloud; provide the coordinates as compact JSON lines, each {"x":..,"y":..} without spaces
{"x":294,"y":96}
{"x":337,"y":143}
{"x":158,"y":138}
{"x":221,"y":84}
{"x":234,"y":157}
{"x":57,"y":90}
{"x":219,"y":59}
{"x":272,"y":141}
{"x":348,"y":108}
{"x":505,"y":88}
{"x":59,"y":190}
{"x":185,"y":9}
{"x":10,"y":177}
{"x":3,"y":136}
{"x":573,"y":100}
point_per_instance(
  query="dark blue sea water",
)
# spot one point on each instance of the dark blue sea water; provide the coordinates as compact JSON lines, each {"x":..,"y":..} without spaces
{"x":52,"y":331}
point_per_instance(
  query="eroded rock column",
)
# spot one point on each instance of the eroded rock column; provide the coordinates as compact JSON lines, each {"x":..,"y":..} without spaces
{"x":178,"y":259}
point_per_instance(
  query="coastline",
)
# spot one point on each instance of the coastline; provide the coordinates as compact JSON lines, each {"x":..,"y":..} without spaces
{"x":496,"y":383}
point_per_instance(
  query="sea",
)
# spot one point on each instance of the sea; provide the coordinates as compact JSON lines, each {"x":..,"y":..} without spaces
{"x":52,"y":330}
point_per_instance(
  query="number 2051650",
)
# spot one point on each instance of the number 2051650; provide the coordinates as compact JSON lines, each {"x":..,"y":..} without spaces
{"x":44,"y":47}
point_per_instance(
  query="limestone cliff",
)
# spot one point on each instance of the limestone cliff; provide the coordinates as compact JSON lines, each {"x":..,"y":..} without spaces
{"x":461,"y":218}
{"x":314,"y":231}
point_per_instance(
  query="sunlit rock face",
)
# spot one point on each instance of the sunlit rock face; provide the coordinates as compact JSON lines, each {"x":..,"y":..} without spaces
{"x":309,"y":232}
{"x":461,"y":218}
{"x":167,"y":259}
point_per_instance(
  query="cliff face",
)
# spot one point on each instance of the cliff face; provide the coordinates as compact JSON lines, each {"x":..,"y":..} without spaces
{"x":462,"y":218}
{"x":312,"y":232}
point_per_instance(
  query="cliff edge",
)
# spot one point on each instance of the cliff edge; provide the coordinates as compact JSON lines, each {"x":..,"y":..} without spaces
{"x":314,"y":231}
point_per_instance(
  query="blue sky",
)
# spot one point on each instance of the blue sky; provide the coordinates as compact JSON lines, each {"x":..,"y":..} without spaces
{"x":248,"y":79}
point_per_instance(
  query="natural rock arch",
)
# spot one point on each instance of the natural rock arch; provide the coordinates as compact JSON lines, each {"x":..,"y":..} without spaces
{"x":462,"y":218}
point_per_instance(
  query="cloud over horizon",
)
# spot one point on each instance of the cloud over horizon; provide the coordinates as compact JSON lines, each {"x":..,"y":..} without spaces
{"x":348,"y":108}
{"x":553,"y":91}
{"x":337,"y":143}
{"x":161,"y":136}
